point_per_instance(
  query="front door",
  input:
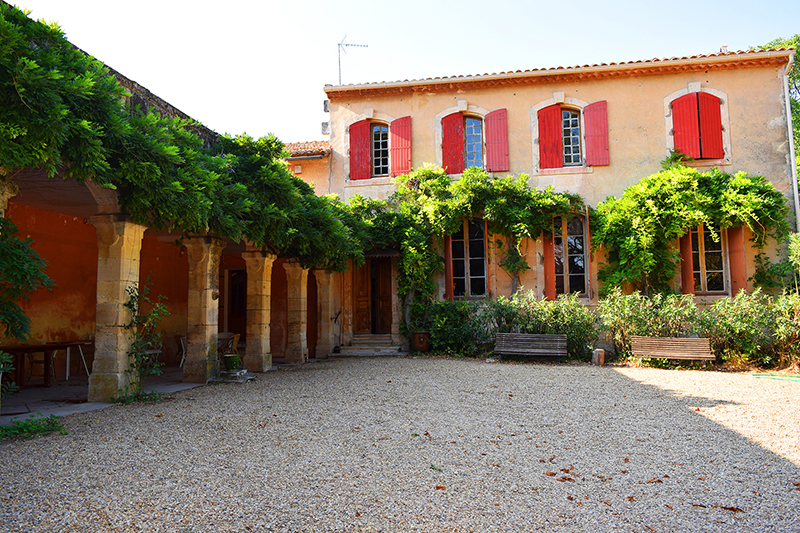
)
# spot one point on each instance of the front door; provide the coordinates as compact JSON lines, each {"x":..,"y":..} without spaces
{"x":372,"y":286}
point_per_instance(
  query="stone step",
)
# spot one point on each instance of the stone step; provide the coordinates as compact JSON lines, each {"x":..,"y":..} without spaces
{"x":372,"y":339}
{"x":368,"y":350}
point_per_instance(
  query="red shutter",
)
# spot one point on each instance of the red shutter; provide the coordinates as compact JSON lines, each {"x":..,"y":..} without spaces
{"x":549,"y":267}
{"x":448,"y":268}
{"x":737,"y":260}
{"x":595,"y":119}
{"x":453,"y":143}
{"x":685,"y":127}
{"x":687,"y":272}
{"x":550,"y":143}
{"x":400,"y":141}
{"x":497,"y":141}
{"x":710,"y":126}
{"x":359,"y":151}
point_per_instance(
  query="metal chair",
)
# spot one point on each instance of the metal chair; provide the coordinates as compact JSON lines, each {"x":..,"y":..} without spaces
{"x":182,"y":346}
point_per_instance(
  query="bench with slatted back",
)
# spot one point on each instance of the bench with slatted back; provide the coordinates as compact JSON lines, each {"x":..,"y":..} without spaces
{"x":531,"y":345}
{"x":672,"y":348}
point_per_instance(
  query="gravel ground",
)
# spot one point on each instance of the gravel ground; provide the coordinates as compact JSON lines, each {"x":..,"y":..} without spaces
{"x":405,"y":444}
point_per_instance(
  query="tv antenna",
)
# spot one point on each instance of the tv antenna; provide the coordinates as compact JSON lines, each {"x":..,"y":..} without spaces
{"x":343,"y":48}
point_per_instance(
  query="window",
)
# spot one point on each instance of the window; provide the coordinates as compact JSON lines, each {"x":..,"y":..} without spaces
{"x":466,"y":138}
{"x":466,"y":260}
{"x":378,"y":149}
{"x":707,"y":261}
{"x":569,"y":256}
{"x":563,"y":144}
{"x":473,"y":144}
{"x":697,"y":126}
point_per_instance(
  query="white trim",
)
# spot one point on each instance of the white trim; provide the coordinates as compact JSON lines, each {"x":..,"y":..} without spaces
{"x":438,"y":136}
{"x":373,"y":117}
{"x":558,"y":99}
{"x":724,"y":115}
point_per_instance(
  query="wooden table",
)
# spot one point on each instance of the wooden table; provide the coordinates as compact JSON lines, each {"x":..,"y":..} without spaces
{"x":48,"y":349}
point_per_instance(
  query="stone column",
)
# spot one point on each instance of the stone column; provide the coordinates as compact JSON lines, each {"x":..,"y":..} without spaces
{"x":297,"y":292}
{"x":258,"y":357}
{"x":7,"y":190}
{"x":119,"y":242}
{"x":201,"y":363}
{"x":326,"y":339}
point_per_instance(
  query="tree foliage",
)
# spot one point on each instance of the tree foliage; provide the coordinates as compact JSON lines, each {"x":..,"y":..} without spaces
{"x":639,"y":230}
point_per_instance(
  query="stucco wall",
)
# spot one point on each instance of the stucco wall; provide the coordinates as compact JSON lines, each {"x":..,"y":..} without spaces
{"x":754,"y":118}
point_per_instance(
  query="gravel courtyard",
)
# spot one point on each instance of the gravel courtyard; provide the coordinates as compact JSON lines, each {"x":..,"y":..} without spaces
{"x":411,"y":444}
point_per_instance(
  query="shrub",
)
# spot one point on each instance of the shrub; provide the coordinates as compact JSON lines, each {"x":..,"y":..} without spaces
{"x":566,"y":316}
{"x":460,"y":328}
{"x":660,"y":315}
{"x":786,"y":328}
{"x":739,"y":327}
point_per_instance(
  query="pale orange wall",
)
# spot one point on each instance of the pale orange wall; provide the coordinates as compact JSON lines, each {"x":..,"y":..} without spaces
{"x":315,"y":172}
{"x":639,"y":139}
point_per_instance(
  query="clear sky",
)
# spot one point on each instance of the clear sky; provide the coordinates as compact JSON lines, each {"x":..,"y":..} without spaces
{"x":259,"y":66}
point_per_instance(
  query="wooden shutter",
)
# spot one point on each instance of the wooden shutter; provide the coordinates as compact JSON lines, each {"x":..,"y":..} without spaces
{"x":687,"y":270}
{"x":737,"y":260}
{"x":453,"y":143}
{"x":685,"y":126}
{"x":400,"y":142}
{"x":497,"y":141}
{"x":448,"y":268}
{"x":360,"y":151}
{"x":550,"y":143}
{"x":595,"y":120}
{"x":710,"y":126}
{"x":549,"y":267}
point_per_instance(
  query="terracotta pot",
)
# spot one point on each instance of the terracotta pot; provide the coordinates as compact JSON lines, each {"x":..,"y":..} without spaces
{"x":421,"y":341}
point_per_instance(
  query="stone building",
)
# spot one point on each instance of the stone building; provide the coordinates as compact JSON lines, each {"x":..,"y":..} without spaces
{"x":593,"y":130}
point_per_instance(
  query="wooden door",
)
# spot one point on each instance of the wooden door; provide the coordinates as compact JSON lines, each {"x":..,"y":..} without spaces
{"x":383,"y":298}
{"x":362,"y":282}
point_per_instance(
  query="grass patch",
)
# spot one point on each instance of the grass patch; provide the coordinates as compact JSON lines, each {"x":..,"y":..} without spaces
{"x":33,"y":426}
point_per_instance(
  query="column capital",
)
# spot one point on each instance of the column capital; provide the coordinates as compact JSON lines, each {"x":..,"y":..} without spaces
{"x":294,"y":269}
{"x":257,"y":259}
{"x":7,"y":190}
{"x":199,"y":246}
{"x":111,"y":226}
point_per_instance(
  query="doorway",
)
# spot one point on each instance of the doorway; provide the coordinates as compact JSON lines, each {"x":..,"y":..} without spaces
{"x":372,"y":285}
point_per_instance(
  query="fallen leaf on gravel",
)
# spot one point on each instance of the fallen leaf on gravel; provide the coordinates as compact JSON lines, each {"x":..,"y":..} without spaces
{"x":734,"y":509}
{"x":626,"y":459}
{"x":542,"y":461}
{"x":607,"y":503}
{"x":624,"y":471}
{"x":650,"y":528}
{"x":698,"y":409}
{"x":796,"y":483}
{"x":570,"y":498}
{"x":440,"y":487}
{"x":548,"y":473}
{"x":383,"y":438}
{"x":699,"y":505}
{"x":358,"y":514}
{"x":669,"y":507}
{"x":701,"y":478}
{"x":654,"y":480}
{"x":630,"y":498}
{"x":159,"y":415}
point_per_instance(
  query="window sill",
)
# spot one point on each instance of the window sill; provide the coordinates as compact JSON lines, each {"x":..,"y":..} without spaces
{"x":565,"y":171}
{"x":383,"y":180}
{"x":708,"y":163}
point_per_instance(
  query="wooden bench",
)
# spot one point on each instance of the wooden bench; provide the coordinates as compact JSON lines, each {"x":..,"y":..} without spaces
{"x":531,"y":345}
{"x":672,"y":348}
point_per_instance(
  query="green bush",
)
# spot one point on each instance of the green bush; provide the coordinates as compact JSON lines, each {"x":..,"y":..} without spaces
{"x":461,"y":328}
{"x":739,"y":327}
{"x":565,"y":316}
{"x":660,"y":315}
{"x":466,"y":328}
{"x":786,"y":328}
